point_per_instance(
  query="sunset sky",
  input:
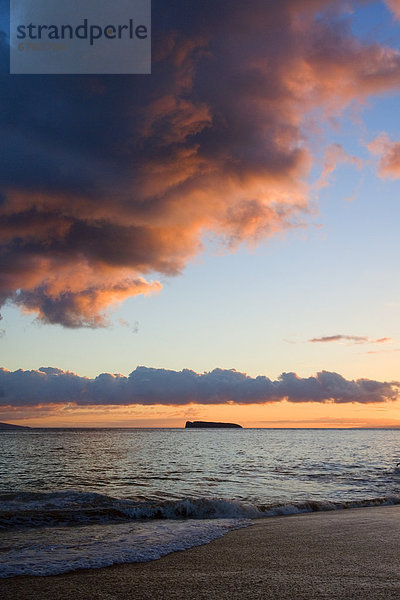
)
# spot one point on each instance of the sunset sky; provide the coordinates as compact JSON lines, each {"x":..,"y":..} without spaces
{"x":218,"y":240}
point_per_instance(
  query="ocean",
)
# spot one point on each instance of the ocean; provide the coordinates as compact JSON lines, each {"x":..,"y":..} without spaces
{"x":88,"y":498}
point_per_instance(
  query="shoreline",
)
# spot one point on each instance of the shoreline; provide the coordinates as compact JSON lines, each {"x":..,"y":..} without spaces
{"x":341,"y":554}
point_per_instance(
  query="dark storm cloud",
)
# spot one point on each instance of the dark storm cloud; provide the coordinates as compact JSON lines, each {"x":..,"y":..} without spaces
{"x":146,"y":386}
{"x":105,"y":181}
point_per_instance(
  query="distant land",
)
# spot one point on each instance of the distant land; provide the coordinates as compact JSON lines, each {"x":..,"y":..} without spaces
{"x":11,"y":426}
{"x":210,"y":424}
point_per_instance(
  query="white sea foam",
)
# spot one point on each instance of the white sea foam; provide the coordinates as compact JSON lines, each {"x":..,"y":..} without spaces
{"x":50,"y":551}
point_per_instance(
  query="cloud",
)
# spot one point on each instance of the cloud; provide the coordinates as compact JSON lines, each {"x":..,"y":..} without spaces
{"x":394,"y":6}
{"x":147,"y":386}
{"x":350,"y":338}
{"x":69,"y":308}
{"x":334,"y":155}
{"x":108,"y":182}
{"x":389,"y":153}
{"x":134,"y":325}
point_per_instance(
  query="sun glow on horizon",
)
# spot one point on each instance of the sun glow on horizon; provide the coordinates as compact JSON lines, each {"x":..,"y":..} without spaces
{"x":272,"y":415}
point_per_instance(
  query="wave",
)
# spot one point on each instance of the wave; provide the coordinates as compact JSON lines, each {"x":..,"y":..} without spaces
{"x":66,"y":508}
{"x":36,"y":541}
{"x":51,"y":551}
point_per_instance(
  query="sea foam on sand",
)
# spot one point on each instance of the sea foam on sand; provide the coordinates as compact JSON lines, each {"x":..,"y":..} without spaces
{"x":334,"y":555}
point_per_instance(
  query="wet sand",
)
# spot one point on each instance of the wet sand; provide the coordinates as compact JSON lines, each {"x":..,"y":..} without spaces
{"x":346,"y":555}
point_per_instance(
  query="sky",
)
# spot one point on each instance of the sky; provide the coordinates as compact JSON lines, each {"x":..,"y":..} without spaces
{"x":218,"y":240}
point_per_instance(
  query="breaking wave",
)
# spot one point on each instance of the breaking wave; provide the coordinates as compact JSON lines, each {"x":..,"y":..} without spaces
{"x":66,"y":508}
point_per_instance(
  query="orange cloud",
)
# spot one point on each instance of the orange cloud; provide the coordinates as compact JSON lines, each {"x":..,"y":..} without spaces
{"x":394,"y":6}
{"x":389,"y":156}
{"x":335,"y":154}
{"x":88,"y":304}
{"x":121,"y":182}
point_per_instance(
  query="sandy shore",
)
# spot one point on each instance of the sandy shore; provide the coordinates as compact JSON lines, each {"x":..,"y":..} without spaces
{"x":350,"y":554}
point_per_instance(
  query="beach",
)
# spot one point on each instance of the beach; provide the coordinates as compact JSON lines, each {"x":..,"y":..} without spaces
{"x":345,"y":554}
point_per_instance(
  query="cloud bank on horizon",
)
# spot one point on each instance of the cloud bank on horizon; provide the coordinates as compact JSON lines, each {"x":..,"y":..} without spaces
{"x":147,"y":386}
{"x":108,"y":182}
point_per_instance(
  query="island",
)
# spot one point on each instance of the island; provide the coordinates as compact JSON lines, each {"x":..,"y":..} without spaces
{"x":210,"y":425}
{"x":9,"y":426}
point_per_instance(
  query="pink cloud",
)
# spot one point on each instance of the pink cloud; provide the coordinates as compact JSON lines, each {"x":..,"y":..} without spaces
{"x":394,"y":6}
{"x":389,"y":156}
